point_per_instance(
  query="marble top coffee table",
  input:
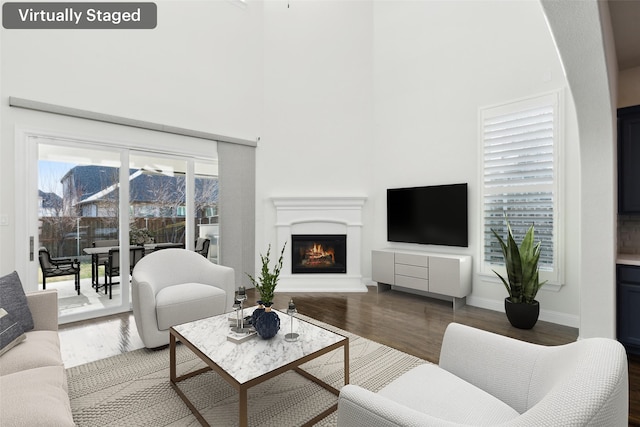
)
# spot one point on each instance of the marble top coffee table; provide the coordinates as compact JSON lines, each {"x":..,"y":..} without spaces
{"x":252,"y":362}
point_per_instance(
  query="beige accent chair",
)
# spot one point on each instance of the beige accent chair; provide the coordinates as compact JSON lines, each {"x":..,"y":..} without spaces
{"x":489,"y":379}
{"x":175,"y":286}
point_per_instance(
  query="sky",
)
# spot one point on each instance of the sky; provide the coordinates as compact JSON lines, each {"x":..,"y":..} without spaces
{"x":49,"y":175}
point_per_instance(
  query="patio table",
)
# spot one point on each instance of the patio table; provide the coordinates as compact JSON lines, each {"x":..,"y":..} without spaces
{"x":101,"y":250}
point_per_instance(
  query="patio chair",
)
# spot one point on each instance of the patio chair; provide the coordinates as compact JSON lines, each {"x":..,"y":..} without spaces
{"x":168,"y":245}
{"x":202,"y":246}
{"x":56,"y":267}
{"x":99,"y":259}
{"x":112,"y":265}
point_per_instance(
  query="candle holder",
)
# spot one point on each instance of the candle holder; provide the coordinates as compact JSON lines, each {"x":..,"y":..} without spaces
{"x":238,"y":305}
{"x":291,"y":310}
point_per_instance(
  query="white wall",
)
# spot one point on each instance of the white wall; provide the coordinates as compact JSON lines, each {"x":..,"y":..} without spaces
{"x":348,"y":97}
{"x":200,"y":69}
{"x":435,"y":64}
{"x":317,"y":134}
{"x":582,"y":31}
{"x":362,"y":96}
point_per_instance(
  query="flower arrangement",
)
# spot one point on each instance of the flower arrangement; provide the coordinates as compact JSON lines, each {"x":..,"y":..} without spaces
{"x":139,"y":236}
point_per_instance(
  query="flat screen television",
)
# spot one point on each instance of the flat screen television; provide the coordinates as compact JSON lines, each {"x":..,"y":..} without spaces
{"x":433,"y":215}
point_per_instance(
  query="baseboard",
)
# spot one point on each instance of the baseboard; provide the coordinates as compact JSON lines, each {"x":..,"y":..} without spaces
{"x":545,"y":315}
{"x":368,"y":282}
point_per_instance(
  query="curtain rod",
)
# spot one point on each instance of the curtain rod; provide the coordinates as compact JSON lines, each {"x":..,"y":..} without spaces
{"x":124,"y":121}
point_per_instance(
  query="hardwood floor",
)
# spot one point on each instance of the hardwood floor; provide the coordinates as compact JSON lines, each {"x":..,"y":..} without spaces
{"x":409,"y":323}
{"x":90,"y":340}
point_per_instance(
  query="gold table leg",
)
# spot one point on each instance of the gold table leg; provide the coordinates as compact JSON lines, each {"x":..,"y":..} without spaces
{"x":244,"y":416}
{"x":346,"y":362}
{"x":242,"y":391}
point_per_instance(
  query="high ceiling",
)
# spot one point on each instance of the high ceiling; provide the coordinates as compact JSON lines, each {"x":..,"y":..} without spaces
{"x":625,"y":19}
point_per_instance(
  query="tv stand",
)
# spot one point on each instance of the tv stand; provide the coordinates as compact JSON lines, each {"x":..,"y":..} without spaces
{"x":424,"y":273}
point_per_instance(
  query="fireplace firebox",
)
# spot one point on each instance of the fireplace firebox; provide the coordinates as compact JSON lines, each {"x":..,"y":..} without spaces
{"x":318,"y":253}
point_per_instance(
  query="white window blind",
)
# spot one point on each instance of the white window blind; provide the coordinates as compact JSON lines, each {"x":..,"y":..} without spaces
{"x":519,"y":176}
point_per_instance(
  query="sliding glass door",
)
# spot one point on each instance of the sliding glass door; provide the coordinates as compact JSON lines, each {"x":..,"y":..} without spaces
{"x":78,"y":214}
{"x":93,"y":214}
{"x":207,"y":220}
{"x":157,"y":200}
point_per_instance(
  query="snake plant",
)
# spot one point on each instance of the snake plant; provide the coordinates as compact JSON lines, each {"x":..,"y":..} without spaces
{"x":522,"y":266}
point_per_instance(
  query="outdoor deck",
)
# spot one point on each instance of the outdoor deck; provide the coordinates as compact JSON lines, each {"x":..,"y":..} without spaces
{"x":69,"y":302}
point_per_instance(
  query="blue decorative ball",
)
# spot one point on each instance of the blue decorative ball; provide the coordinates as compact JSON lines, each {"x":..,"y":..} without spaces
{"x":257,"y":313}
{"x":267,"y":324}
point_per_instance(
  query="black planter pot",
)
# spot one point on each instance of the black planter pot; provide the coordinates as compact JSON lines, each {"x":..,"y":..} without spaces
{"x":521,"y":315}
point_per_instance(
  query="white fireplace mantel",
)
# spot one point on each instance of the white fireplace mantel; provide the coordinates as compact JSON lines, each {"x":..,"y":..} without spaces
{"x":321,"y":215}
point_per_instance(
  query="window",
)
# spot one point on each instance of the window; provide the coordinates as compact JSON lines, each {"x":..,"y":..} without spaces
{"x":520,"y":150}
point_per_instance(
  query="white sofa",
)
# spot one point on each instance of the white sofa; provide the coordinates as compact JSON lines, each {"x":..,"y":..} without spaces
{"x":33,"y":380}
{"x":175,"y":286}
{"x":489,"y":379}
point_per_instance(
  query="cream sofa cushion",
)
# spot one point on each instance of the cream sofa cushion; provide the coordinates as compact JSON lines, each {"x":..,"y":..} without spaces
{"x":186,"y":302}
{"x":40,"y":348}
{"x":35,"y":397}
{"x":11,"y":332}
{"x":430,"y":389}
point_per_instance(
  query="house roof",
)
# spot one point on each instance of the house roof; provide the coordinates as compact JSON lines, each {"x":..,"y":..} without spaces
{"x":100,"y":183}
{"x":90,"y":180}
{"x":50,"y":200}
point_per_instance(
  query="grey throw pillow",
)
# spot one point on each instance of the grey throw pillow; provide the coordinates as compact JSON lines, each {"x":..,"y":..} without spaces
{"x":14,"y":301}
{"x":11,"y":333}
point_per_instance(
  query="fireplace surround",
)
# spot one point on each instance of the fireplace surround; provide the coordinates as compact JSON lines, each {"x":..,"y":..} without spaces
{"x":314,"y":216}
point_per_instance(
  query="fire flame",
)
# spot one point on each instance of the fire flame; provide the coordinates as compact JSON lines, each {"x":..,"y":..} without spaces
{"x":317,"y":252}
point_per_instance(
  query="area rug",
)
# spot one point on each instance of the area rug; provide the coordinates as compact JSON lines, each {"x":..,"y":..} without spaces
{"x":133,"y":389}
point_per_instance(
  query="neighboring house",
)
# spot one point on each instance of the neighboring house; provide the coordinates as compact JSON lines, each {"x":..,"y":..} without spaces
{"x":49,"y":204}
{"x":82,"y":183}
{"x":92,"y":191}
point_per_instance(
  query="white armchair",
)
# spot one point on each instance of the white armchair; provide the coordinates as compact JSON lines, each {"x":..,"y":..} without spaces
{"x":175,"y":286}
{"x":489,"y":379}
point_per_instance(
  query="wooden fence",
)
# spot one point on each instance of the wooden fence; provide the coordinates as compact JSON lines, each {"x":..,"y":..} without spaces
{"x":68,"y":236}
